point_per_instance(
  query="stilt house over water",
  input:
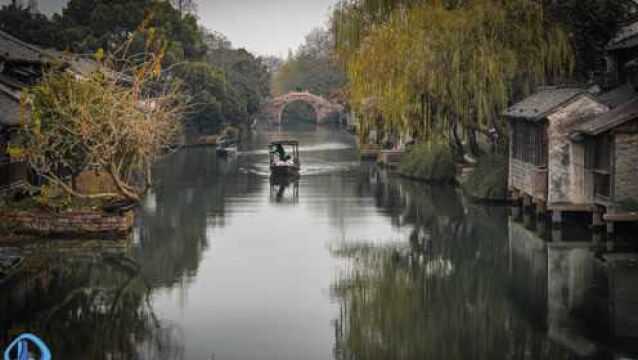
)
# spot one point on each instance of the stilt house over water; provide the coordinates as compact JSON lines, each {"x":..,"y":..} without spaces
{"x":571,"y":150}
{"x":611,"y":139}
{"x":611,"y":161}
{"x":544,"y":168}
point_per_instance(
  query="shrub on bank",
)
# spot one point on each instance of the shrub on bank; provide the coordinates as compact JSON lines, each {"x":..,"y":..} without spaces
{"x":488,"y":181}
{"x":433,"y":162}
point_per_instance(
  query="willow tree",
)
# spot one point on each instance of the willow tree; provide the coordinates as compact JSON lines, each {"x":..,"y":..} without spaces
{"x":438,"y":69}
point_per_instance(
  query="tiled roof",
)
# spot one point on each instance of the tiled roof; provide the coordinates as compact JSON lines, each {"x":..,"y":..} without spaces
{"x":538,"y":105}
{"x":14,"y":50}
{"x":626,"y":37}
{"x":609,"y":120}
{"x":618,"y":96}
{"x":9,"y":107}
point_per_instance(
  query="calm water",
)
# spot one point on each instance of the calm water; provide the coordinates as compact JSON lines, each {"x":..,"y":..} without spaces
{"x":347,"y":263}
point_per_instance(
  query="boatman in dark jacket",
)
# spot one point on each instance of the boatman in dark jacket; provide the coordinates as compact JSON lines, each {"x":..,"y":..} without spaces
{"x":281,"y":153}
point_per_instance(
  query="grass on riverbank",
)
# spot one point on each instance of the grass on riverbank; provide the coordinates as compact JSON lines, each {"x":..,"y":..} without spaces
{"x":433,"y":163}
{"x":488,"y":181}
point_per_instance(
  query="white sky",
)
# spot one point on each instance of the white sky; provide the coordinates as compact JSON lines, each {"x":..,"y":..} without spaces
{"x":264,"y":27}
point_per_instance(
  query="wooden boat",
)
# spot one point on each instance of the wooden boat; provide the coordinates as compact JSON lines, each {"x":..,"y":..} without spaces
{"x":290,"y":164}
{"x":225,"y":149}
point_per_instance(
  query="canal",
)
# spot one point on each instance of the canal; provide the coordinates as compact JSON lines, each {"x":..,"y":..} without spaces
{"x":350,"y":262}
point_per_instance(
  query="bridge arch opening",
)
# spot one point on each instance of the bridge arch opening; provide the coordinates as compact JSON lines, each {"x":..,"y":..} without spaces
{"x":324,"y":110}
{"x":299,"y":111}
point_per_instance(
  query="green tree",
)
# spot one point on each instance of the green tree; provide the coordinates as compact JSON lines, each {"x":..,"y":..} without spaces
{"x":34,"y":29}
{"x":88,"y":25}
{"x":439,"y":70}
{"x":592,"y":24}
{"x":224,"y":84}
{"x":208,"y":88}
{"x":311,"y":68}
{"x":247,"y":74}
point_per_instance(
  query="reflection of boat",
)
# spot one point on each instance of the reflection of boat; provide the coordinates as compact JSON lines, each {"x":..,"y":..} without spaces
{"x":279,"y":184}
{"x":284,"y":158}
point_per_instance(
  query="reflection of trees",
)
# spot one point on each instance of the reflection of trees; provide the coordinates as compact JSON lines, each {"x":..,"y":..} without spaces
{"x":189,"y":198}
{"x":441,"y":295}
{"x":86,"y":306}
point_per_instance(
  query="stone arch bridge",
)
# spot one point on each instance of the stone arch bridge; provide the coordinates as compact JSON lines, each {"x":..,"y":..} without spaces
{"x":273,"y":109}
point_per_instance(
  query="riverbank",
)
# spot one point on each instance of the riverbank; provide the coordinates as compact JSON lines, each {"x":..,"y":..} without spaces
{"x":485,"y":180}
{"x":68,"y":224}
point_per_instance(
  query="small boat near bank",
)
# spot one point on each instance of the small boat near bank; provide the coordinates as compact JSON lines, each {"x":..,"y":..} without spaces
{"x":226,"y":150}
{"x":284,"y":158}
{"x":226,"y":147}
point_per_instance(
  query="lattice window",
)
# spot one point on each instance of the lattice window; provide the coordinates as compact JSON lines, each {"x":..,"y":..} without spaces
{"x":529,"y":142}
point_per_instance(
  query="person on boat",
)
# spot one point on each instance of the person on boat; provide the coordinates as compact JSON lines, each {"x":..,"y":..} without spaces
{"x":281,"y":153}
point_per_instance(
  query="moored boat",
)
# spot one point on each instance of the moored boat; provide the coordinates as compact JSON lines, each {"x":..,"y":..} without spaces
{"x":226,"y":150}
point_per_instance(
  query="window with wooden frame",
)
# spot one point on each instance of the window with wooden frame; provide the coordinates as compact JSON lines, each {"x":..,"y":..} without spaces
{"x":529,"y":142}
{"x":602,"y":161}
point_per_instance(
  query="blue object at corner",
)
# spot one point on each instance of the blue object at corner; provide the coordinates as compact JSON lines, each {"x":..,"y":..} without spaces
{"x":21,"y":345}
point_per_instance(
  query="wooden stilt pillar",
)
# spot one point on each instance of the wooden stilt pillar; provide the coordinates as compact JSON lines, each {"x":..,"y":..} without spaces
{"x":528,"y":220}
{"x":541,"y":211}
{"x":597,"y":219}
{"x":541,"y":226}
{"x":527,"y":201}
{"x":557,"y":217}
{"x":557,"y":235}
{"x":516,"y":212}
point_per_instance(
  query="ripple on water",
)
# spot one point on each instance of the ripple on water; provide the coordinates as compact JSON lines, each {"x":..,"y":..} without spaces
{"x":310,"y":148}
{"x":306,"y":170}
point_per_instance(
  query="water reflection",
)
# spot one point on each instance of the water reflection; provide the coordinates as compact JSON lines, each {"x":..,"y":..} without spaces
{"x":190,"y":196}
{"x":87,"y":301}
{"x":472,"y":282}
{"x":284,"y":189}
{"x":441,"y":295}
{"x":347,"y":262}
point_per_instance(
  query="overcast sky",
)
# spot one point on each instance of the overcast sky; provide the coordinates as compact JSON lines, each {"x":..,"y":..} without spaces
{"x":265,"y":27}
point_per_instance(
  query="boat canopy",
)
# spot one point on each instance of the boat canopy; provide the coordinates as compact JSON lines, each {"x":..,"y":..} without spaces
{"x":285,"y":142}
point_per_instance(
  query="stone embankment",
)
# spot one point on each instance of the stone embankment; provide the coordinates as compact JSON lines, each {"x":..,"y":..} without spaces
{"x":86,"y":224}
